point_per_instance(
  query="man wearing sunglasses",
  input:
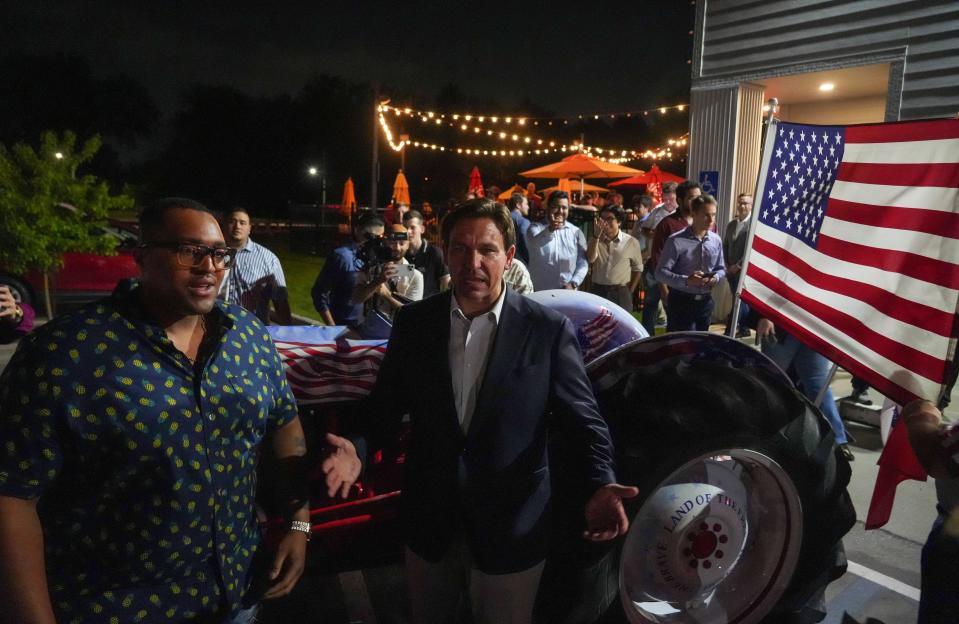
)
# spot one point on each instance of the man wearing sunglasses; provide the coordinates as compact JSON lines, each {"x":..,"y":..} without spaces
{"x":132,"y":430}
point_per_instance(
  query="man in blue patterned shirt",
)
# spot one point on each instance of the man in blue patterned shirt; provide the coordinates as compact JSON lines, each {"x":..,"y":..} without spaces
{"x":557,"y":252}
{"x":130,"y":434}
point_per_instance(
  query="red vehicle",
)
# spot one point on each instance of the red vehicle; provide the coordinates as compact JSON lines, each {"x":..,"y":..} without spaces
{"x":743,"y":500}
{"x":83,"y":276}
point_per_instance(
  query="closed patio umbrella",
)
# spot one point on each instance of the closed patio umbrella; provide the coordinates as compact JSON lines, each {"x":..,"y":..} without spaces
{"x":476,"y":183}
{"x":401,"y":189}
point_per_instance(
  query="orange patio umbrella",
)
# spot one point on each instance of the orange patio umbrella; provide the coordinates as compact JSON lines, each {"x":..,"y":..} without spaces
{"x":653,"y":179}
{"x":566,"y":184}
{"x":401,"y":189}
{"x":581,"y":166}
{"x":476,"y":183}
{"x":516,"y":188}
{"x":349,"y":196}
{"x":655,"y":175}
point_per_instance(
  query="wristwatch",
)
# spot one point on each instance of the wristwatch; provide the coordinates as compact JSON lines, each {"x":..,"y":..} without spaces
{"x":303,"y":527}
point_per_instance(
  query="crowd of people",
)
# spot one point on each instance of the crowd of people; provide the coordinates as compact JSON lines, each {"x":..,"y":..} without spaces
{"x":131,"y":428}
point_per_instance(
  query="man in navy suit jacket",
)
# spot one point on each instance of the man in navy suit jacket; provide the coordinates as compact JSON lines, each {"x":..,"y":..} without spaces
{"x":495,"y":374}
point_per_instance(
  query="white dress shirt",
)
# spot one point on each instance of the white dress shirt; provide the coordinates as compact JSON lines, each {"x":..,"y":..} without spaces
{"x":471,"y":341}
{"x":255,"y":279}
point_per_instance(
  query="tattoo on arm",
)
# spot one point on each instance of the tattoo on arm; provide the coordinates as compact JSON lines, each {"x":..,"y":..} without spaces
{"x":299,"y":445}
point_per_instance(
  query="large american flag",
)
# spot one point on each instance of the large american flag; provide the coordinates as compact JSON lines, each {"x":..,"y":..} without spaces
{"x":855,"y":247}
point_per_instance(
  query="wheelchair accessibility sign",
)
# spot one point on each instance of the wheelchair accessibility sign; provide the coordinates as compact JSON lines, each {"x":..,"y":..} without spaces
{"x":709,"y":180}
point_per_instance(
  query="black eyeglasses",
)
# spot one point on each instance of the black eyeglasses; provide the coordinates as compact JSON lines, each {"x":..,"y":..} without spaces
{"x":190,"y":255}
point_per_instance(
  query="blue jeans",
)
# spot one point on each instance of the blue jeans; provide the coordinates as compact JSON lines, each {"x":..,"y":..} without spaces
{"x":651,"y":302}
{"x":813,"y":372}
{"x":244,"y":616}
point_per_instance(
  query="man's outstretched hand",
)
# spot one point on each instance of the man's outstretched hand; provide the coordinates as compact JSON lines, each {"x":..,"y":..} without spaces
{"x":605,"y":515}
{"x":342,"y":466}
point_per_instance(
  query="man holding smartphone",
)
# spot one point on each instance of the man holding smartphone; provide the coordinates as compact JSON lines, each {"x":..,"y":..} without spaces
{"x":393,"y":284}
{"x":691,"y":264}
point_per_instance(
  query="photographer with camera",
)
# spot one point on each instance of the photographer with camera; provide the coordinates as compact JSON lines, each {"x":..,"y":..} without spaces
{"x":387,"y":280}
{"x":333,"y":290}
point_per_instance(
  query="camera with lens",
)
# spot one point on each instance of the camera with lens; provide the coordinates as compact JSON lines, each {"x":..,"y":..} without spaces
{"x":375,"y":251}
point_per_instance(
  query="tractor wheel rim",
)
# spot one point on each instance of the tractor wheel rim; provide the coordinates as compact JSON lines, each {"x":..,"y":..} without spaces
{"x":717,"y":542}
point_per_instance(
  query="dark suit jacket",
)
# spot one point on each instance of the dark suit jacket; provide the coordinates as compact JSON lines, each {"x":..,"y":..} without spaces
{"x":734,"y":241}
{"x":493,"y":483}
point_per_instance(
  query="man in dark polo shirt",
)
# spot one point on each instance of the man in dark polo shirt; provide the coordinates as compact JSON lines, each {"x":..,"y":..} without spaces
{"x":428,"y":259}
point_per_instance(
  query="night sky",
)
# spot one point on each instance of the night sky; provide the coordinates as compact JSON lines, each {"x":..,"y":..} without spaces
{"x":600,"y":57}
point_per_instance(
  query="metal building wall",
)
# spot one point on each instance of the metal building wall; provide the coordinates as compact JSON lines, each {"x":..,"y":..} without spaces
{"x":741,"y":40}
{"x":750,"y":130}
{"x":714,"y":119}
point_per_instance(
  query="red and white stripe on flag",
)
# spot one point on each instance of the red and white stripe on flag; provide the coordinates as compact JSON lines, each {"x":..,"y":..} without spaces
{"x":329,"y":372}
{"x":855,"y":247}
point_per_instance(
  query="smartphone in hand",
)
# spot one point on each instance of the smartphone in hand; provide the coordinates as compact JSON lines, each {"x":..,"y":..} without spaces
{"x":404,"y":270}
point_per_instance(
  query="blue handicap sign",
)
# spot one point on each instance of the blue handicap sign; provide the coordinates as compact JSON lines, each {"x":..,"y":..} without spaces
{"x":709,"y":180}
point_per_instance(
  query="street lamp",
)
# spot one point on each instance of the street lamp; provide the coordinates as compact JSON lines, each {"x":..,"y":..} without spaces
{"x":314,"y":171}
{"x":58,"y":155}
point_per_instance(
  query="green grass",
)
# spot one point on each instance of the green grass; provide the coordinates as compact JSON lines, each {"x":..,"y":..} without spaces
{"x":300,"y":270}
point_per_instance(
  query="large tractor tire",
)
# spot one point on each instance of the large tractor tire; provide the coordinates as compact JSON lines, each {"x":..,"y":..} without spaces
{"x":20,"y":291}
{"x":743,"y":499}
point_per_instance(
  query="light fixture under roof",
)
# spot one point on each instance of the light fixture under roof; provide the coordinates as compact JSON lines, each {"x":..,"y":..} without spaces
{"x":827,"y":86}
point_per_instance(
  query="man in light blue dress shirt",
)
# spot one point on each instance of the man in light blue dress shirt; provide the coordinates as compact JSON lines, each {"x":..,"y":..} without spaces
{"x":691,"y":264}
{"x":557,"y":252}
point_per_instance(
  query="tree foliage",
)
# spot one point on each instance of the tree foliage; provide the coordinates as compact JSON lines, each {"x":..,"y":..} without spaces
{"x":46,"y":209}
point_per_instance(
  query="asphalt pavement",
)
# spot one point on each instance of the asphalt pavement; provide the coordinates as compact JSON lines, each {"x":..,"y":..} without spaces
{"x":882,"y":581}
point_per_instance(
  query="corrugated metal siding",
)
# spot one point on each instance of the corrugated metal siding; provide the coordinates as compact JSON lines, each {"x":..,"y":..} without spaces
{"x":750,"y":39}
{"x":750,"y":138}
{"x":713,"y":111}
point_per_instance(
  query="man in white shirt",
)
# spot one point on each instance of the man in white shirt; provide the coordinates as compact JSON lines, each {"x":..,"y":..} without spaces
{"x":256,"y":279}
{"x":664,"y":209}
{"x":395,"y":283}
{"x":616,"y":258}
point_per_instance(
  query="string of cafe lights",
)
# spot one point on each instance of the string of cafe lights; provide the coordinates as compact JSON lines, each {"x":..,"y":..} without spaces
{"x":427,"y":116}
{"x":531,"y":146}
